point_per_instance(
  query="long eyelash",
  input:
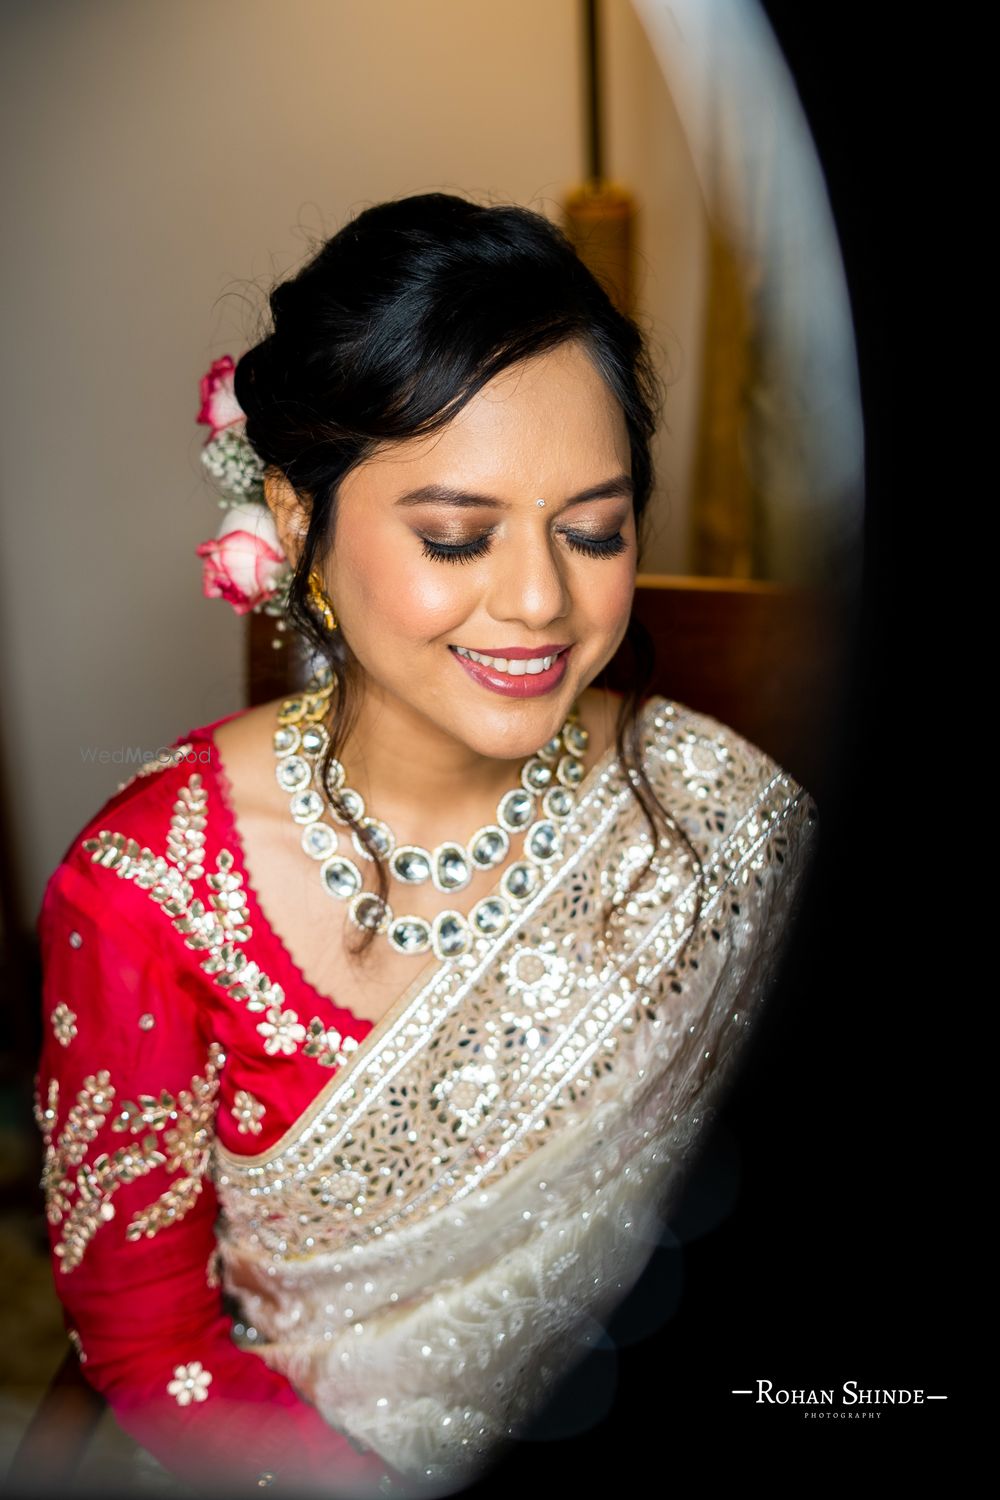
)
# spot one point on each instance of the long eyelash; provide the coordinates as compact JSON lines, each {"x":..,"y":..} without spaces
{"x":605,"y":546}
{"x":608,"y":546}
{"x":465,"y":553}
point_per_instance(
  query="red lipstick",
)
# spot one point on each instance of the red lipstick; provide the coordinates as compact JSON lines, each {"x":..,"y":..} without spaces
{"x":528,"y":685}
{"x":520,"y":653}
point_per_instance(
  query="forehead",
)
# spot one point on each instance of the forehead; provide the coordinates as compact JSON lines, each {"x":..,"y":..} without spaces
{"x":548,"y":423}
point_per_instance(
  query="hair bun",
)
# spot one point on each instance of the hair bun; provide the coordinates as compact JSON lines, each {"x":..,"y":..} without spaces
{"x":247,"y":382}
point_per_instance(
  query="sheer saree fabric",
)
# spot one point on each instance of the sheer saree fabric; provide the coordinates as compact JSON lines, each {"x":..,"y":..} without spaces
{"x":414,"y":1219}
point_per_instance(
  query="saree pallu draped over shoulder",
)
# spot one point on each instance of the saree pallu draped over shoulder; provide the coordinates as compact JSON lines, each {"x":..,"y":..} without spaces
{"x":490,"y":1168}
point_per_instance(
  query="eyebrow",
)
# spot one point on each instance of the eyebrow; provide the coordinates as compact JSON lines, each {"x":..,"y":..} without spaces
{"x":445,"y":494}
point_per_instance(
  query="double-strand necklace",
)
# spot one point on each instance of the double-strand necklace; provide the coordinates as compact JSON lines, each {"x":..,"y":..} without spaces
{"x":536,"y":807}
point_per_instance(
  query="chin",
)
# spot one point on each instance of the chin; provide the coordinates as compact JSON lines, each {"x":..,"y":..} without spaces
{"x":515,"y":730}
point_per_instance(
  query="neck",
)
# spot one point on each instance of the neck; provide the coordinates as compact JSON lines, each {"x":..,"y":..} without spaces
{"x":416,"y":776}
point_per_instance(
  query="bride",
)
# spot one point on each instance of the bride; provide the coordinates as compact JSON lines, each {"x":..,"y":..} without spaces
{"x":381,"y":1020}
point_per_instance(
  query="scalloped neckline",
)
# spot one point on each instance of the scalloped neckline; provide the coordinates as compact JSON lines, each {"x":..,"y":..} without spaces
{"x":235,"y":838}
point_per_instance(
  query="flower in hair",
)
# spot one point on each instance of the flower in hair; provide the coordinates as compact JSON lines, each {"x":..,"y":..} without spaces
{"x":219,"y":406}
{"x":227,"y":455}
{"x":243,"y":562}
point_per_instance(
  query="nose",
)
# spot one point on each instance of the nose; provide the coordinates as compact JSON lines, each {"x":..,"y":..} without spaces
{"x":527,"y":583}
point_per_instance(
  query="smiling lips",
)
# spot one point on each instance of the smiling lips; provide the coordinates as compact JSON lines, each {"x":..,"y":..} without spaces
{"x":517,"y":660}
{"x":522,"y":672}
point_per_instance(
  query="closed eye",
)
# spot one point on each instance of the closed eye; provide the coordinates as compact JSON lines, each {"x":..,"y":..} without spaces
{"x":606,"y":546}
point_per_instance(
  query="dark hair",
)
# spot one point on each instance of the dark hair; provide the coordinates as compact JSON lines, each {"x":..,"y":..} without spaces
{"x":391,"y":327}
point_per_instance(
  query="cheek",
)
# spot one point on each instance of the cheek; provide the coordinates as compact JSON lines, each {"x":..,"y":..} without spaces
{"x":404,"y":595}
{"x":424,"y":606}
{"x":608,"y":607}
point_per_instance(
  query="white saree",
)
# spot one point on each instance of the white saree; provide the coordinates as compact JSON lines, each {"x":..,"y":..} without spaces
{"x":489,"y":1168}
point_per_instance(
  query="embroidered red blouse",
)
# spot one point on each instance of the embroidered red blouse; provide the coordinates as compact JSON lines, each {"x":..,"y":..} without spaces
{"x":159,"y":1031}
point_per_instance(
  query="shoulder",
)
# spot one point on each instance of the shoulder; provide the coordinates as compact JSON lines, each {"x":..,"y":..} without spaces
{"x":702,"y":751}
{"x":752,"y":826}
{"x":732,"y":798}
{"x":151,"y":828}
{"x":691,"y":755}
{"x":244,"y":757}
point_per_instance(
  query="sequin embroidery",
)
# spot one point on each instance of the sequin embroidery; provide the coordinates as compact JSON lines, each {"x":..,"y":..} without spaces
{"x":185,"y":1147}
{"x":248,"y":1113}
{"x":64,"y":1023}
{"x":212,"y":1267}
{"x":190,"y":1383}
{"x":219,"y":928}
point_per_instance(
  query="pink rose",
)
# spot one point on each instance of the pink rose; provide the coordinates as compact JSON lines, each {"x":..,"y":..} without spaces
{"x":242,"y":562}
{"x":219,"y":406}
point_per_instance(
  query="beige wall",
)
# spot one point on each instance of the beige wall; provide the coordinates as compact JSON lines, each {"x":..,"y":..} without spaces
{"x":157,"y":159}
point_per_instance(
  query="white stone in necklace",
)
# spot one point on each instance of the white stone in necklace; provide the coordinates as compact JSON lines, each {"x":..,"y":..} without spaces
{"x":550,"y":776}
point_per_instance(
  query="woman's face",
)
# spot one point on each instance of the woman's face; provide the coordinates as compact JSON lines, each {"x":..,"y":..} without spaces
{"x":414,"y":575}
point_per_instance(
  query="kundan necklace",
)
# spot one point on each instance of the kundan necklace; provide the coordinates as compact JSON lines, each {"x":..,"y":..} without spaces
{"x":550,"y":776}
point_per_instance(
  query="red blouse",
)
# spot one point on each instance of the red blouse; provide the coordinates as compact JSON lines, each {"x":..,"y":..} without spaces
{"x":173,"y":1012}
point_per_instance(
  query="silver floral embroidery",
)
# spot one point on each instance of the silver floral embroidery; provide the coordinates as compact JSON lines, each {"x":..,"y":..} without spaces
{"x":187,"y":1142}
{"x":327,"y":1045}
{"x":248,"y":1113}
{"x":536,"y":975}
{"x":217,"y":928}
{"x":703,"y":763}
{"x":186,"y":839}
{"x":46,"y":1118}
{"x":282,"y":1031}
{"x":64,"y":1023}
{"x":83,"y":1123}
{"x":171,"y":1205}
{"x":190,"y":1383}
{"x":94,"y":1184}
{"x":467,"y":1093}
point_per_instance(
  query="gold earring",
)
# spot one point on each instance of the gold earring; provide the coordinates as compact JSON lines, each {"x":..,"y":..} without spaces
{"x":321,"y":602}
